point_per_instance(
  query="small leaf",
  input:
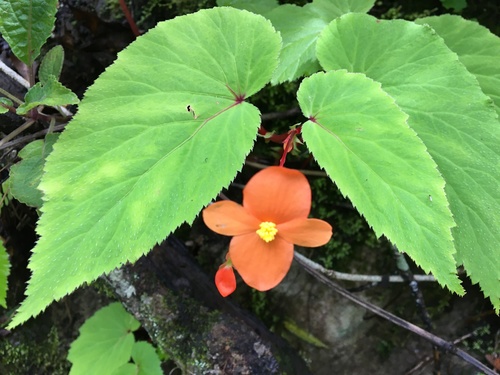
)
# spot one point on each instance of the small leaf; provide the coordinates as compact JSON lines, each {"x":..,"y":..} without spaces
{"x":157,"y":136}
{"x":4,"y":274}
{"x":25,"y":176}
{"x":360,"y":137}
{"x":51,"y":65}
{"x":146,"y":359}
{"x":51,"y":93}
{"x":449,"y":112}
{"x":302,"y":334}
{"x":26,"y":25}
{"x":4,"y":104}
{"x":105,"y":342}
{"x":457,"y":5}
{"x":477,"y":48}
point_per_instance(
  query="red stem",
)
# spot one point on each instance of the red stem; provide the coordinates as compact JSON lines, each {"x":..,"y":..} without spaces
{"x":129,"y":18}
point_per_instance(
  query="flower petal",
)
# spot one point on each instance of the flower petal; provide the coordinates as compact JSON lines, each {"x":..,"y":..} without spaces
{"x":305,"y":232}
{"x":262,"y":265}
{"x":277,"y":194}
{"x":229,"y":218}
{"x":225,"y":281}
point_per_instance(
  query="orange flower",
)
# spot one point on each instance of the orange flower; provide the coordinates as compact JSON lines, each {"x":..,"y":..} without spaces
{"x":276,"y":203}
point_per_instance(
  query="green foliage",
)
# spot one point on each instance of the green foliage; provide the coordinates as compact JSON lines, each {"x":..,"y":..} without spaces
{"x":305,"y":336}
{"x":51,"y":65}
{"x":457,"y":5}
{"x":4,"y":274}
{"x":28,"y":356}
{"x":154,"y":140}
{"x":51,"y":93}
{"x":146,"y":359}
{"x":4,"y":104}
{"x":449,"y":112}
{"x":26,"y":25}
{"x":298,"y":54}
{"x":254,"y":6}
{"x":341,"y":136}
{"x":106,"y":344}
{"x":398,"y":122}
{"x":25,"y":176}
{"x":477,"y":48}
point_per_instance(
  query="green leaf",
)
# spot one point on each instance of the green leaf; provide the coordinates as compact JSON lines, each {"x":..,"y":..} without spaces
{"x":254,"y":6}
{"x":25,"y":176}
{"x":105,"y":342}
{"x":458,"y":5}
{"x":300,"y":28}
{"x":51,"y":65}
{"x":448,"y":111}
{"x":360,"y":137}
{"x":51,"y":93}
{"x":146,"y":359}
{"x":329,"y":10}
{"x":477,"y":48}
{"x":4,"y":274}
{"x":4,"y":104}
{"x":26,"y":25}
{"x":134,"y":163}
{"x":126,"y":369}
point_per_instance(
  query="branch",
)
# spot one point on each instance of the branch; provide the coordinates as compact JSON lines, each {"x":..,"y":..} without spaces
{"x":31,"y":137}
{"x":319,"y":273}
{"x":180,"y":308}
{"x":280,"y":115}
{"x":12,"y":74}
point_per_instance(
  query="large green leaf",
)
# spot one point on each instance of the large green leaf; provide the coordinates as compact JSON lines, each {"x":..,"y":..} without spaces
{"x":448,"y":111}
{"x":477,"y":48}
{"x":4,"y":274}
{"x":360,"y":136}
{"x":105,"y":342}
{"x":134,"y":163}
{"x":25,"y":176}
{"x":26,"y":25}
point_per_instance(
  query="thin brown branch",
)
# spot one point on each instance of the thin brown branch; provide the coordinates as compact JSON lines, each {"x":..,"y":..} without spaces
{"x":318,"y":272}
{"x":31,"y":137}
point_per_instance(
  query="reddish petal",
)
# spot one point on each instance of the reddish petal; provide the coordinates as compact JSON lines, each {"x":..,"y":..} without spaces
{"x":305,"y":232}
{"x":225,"y":281}
{"x":277,"y":194}
{"x":229,"y":218}
{"x":262,"y":265}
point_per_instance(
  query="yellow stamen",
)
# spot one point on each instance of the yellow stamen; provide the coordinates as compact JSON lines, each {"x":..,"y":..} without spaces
{"x":267,"y":231}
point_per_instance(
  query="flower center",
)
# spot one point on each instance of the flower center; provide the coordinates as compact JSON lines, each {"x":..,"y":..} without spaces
{"x":267,"y":231}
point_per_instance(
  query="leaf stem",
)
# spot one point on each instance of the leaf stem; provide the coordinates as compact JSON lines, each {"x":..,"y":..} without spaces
{"x":30,"y":137}
{"x":20,"y":129}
